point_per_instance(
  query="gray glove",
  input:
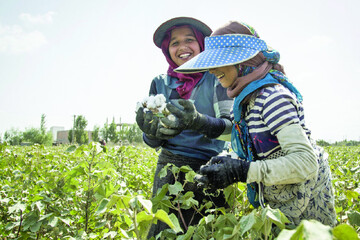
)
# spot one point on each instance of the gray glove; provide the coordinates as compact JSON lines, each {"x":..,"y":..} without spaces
{"x":150,"y":124}
{"x":189,"y":118}
{"x":221,"y":171}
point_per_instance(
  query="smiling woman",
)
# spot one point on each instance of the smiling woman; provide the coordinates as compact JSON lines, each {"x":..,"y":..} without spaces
{"x":183,"y":45}
{"x":201,"y":108}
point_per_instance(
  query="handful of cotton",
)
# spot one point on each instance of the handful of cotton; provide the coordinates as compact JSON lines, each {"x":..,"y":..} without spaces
{"x":157,"y":105}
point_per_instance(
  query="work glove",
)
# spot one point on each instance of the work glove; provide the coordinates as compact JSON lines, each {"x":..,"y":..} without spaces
{"x":150,"y":124}
{"x":186,"y":118}
{"x":221,"y":171}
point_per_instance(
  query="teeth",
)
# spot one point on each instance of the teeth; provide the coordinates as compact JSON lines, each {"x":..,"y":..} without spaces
{"x":220,"y":76}
{"x":185,"y":55}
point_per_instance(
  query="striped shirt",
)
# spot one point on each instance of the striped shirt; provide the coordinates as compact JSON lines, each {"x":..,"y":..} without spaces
{"x":274,"y":108}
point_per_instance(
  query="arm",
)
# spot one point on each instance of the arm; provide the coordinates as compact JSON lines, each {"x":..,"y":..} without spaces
{"x":190,"y":118}
{"x":298,"y":165}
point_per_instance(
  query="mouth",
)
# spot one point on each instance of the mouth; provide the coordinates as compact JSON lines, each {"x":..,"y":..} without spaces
{"x":220,"y":76}
{"x":184,"y":55}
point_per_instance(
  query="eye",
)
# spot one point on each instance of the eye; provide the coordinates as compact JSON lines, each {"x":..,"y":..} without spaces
{"x":173,"y":44}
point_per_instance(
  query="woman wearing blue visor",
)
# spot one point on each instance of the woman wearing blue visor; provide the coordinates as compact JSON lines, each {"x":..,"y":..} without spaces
{"x":276,"y":156}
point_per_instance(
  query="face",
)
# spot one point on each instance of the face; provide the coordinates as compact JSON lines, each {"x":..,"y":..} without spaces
{"x":226,"y":75}
{"x":183,"y":45}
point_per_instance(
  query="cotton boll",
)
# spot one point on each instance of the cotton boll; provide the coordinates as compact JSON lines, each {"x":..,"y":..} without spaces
{"x":160,"y":100}
{"x":155,"y":104}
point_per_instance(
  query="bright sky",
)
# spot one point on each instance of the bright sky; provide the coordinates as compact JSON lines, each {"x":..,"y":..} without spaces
{"x":97,"y":58}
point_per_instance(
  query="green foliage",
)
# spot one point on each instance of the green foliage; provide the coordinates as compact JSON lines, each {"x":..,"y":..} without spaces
{"x":97,"y":192}
{"x":96,"y":134}
{"x":78,"y":132}
{"x":13,"y":137}
{"x":35,"y":135}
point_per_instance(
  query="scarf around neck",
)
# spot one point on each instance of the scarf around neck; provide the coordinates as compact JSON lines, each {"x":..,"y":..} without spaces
{"x":189,"y":80}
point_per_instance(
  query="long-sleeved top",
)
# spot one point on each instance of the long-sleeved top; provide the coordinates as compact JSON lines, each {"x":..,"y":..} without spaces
{"x":294,"y":171}
{"x":209,"y":98}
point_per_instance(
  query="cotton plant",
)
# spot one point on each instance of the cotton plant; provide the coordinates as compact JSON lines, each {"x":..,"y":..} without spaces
{"x":157,"y":105}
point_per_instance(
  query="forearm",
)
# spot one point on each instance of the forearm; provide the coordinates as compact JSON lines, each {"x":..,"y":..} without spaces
{"x":213,"y":127}
{"x":153,"y":142}
{"x":298,"y":165}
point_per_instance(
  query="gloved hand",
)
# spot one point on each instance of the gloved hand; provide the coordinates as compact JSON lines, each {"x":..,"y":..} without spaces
{"x":188,"y":118}
{"x":221,"y":171}
{"x":150,"y":124}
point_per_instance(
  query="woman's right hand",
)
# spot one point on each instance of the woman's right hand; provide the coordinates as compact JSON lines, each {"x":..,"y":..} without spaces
{"x":150,"y":124}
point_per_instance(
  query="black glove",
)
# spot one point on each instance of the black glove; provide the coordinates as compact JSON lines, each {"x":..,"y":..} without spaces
{"x":150,"y":124}
{"x":221,"y":171}
{"x":189,"y":118}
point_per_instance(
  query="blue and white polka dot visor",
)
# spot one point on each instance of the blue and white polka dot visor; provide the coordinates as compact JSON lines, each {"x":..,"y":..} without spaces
{"x":223,"y":51}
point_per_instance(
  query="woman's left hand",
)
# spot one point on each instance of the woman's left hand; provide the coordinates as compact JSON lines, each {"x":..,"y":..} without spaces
{"x":221,"y":171}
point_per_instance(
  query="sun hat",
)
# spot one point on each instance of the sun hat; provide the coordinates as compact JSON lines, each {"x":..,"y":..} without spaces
{"x":224,"y":50}
{"x":233,"y":43}
{"x":178,"y":21}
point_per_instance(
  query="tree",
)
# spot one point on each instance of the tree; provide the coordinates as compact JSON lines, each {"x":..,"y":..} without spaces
{"x":105,"y":131}
{"x":96,"y":134}
{"x":13,"y":137}
{"x":112,"y":135}
{"x":79,"y":132}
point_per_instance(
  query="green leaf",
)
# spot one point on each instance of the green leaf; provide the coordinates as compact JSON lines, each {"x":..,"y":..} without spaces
{"x":172,"y":222}
{"x":66,"y":221}
{"x":53,"y":221}
{"x":111,"y":234}
{"x":29,"y":220}
{"x":71,"y":148}
{"x":100,"y":224}
{"x":309,"y":230}
{"x":277,"y":217}
{"x":247,"y":222}
{"x":147,"y":204}
{"x":209,"y":218}
{"x":189,"y":233}
{"x":174,"y":189}
{"x":45,"y":216}
{"x":35,"y":227}
{"x":143,"y":217}
{"x":17,"y":207}
{"x":345,"y":232}
{"x":102,"y":206}
{"x":163,"y":172}
{"x":354,"y":218}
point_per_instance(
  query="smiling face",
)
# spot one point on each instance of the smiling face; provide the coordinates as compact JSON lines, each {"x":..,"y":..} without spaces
{"x":226,"y":75}
{"x":183,"y":45}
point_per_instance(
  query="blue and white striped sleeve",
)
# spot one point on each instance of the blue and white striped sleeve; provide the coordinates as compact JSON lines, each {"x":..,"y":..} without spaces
{"x":280,"y":109}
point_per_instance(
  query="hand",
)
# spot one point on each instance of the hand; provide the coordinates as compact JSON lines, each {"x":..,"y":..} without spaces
{"x":150,"y":124}
{"x":221,"y":171}
{"x":188,"y":118}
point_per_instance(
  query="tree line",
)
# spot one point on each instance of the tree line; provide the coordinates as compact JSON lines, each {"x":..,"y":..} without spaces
{"x":110,"y":132}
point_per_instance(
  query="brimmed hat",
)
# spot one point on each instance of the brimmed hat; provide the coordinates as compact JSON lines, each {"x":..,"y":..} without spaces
{"x":161,"y":30}
{"x":224,"y":50}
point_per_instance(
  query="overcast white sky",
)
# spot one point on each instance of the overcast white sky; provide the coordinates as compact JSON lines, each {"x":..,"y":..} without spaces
{"x":97,"y":58}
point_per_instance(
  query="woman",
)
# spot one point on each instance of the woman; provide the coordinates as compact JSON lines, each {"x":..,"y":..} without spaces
{"x":278,"y":159}
{"x":203,"y":118}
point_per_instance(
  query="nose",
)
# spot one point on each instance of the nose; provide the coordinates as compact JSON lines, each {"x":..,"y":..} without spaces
{"x":183,"y":44}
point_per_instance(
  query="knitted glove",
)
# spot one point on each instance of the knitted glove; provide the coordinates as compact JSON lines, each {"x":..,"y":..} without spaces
{"x":189,"y":118}
{"x":150,"y":124}
{"x":221,"y":171}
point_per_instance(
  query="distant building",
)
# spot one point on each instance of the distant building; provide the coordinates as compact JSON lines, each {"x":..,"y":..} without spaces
{"x":54,"y":131}
{"x":62,"y":137}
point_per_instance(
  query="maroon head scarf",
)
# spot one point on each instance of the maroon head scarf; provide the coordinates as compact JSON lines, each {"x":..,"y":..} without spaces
{"x":189,"y":80}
